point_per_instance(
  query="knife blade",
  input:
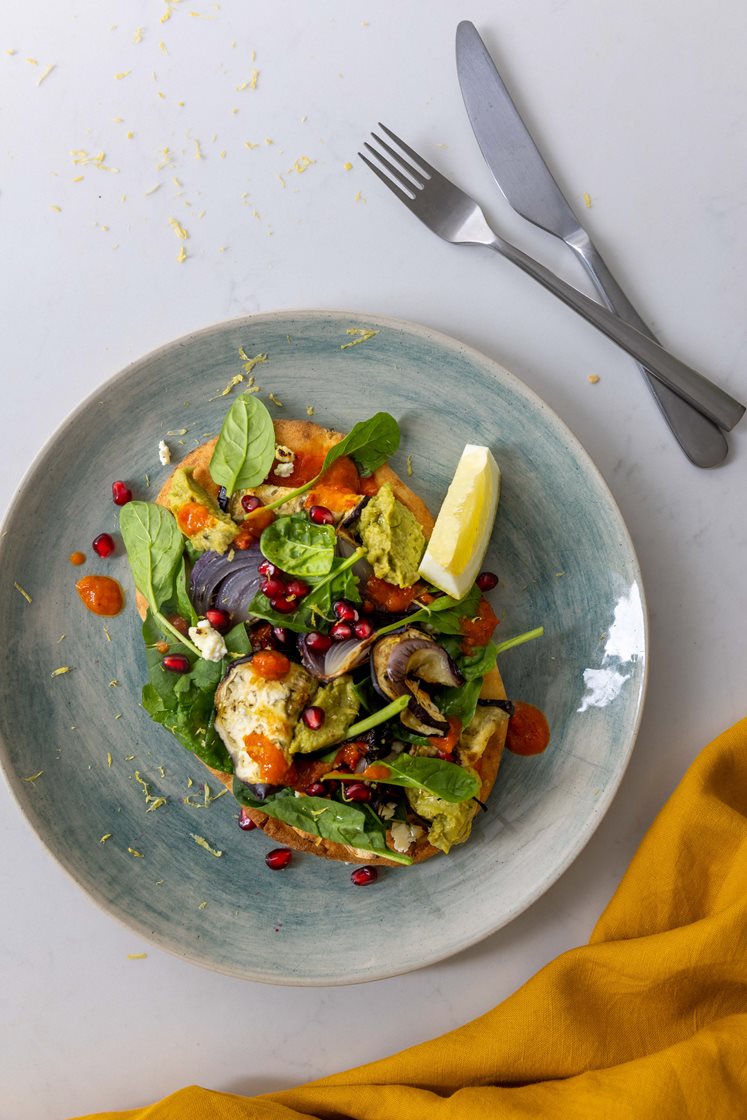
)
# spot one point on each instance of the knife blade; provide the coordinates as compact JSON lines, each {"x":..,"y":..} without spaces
{"x":529,"y":186}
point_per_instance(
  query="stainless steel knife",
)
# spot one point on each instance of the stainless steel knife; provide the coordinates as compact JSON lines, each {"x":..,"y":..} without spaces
{"x":527,"y":183}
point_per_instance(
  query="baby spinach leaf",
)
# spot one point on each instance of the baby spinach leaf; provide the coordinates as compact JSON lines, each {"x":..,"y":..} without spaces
{"x":443,"y":779}
{"x":369,"y":444}
{"x":298,"y":546}
{"x":245,"y":449}
{"x":320,"y":816}
{"x":461,"y":702}
{"x":154,"y":549}
{"x":183,"y":703}
{"x":183,"y":601}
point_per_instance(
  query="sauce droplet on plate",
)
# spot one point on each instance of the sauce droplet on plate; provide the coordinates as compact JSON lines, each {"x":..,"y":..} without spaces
{"x":528,"y":730}
{"x":77,"y":558}
{"x":101,"y":594}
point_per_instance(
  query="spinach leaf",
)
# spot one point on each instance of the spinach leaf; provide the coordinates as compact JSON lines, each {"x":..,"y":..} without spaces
{"x":369,"y":444}
{"x":461,"y":702}
{"x":154,"y":549}
{"x":183,"y":601}
{"x":320,"y":816}
{"x":443,"y":615}
{"x":237,"y":641}
{"x":183,"y":703}
{"x":245,"y":449}
{"x":443,"y":779}
{"x":298,"y":546}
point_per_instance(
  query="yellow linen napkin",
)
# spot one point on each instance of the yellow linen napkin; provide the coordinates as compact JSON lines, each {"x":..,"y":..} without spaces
{"x":647,"y":1020}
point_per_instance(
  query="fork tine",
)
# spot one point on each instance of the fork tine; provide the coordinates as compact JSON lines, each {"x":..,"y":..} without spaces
{"x":413,"y":155}
{"x":402,"y":179}
{"x":387,"y":181}
{"x":414,"y":172}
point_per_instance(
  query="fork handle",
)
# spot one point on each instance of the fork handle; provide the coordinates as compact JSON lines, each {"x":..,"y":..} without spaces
{"x":701,"y":440}
{"x":723,"y":409}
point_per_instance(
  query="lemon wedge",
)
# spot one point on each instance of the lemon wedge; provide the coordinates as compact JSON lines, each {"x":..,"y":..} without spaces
{"x":464,"y":524}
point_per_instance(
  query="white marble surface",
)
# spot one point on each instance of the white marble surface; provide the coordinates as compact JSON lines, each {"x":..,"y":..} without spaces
{"x":641,"y":106}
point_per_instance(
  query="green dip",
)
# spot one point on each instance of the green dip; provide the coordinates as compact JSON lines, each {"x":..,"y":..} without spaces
{"x":340,"y":704}
{"x":392,"y":537}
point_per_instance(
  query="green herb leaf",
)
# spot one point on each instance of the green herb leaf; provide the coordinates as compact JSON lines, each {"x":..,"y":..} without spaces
{"x":183,"y":601}
{"x":245,"y":449}
{"x":443,"y":779}
{"x":183,"y":703}
{"x":298,"y":546}
{"x":154,"y":549}
{"x":369,"y":444}
{"x":320,"y":816}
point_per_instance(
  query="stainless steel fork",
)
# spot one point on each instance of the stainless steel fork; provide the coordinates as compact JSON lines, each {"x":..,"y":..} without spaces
{"x":454,"y":216}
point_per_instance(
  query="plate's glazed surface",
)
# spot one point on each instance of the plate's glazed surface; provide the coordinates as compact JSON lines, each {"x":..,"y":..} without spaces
{"x":565,"y":561}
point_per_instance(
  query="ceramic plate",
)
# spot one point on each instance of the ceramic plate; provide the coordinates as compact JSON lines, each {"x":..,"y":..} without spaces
{"x":565,"y":561}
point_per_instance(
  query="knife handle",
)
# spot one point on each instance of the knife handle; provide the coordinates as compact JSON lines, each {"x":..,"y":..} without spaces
{"x":717,"y":404}
{"x":702,"y":441}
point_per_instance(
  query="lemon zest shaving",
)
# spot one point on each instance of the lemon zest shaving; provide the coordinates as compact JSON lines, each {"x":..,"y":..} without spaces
{"x":181,"y":255}
{"x":109,"y":758}
{"x":33,"y":61}
{"x":136,"y":956}
{"x":153,"y":190}
{"x":309,"y":410}
{"x":43,"y":77}
{"x":347,"y":166}
{"x":25,"y":594}
{"x":163,"y":48}
{"x":275,"y":400}
{"x":248,"y":144}
{"x":103,"y":839}
{"x":178,"y":229}
{"x":107,"y":635}
{"x":34,"y":777}
{"x":114,"y":683}
{"x":204,"y":844}
{"x":122,"y":74}
{"x":202,"y":906}
{"x":57,"y":209}
{"x":303,"y":163}
{"x":198,"y":150}
{"x":134,"y":852}
{"x":409,"y":466}
{"x":156,"y":804}
{"x":362,"y":334}
{"x":58,"y":672}
{"x":593,"y":378}
{"x":80,"y":156}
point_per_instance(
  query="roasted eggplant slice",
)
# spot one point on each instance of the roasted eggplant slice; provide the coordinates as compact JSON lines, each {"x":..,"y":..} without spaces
{"x":256,"y":717}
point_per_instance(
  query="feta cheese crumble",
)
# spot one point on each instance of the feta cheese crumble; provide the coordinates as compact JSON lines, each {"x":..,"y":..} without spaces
{"x":164,"y":453}
{"x":404,"y":835}
{"x":208,"y":641}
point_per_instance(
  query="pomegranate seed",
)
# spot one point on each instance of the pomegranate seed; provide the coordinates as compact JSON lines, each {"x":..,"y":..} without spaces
{"x":278,"y":859}
{"x":250,"y":502}
{"x":272,"y":587}
{"x":246,"y":824}
{"x":219,"y":620}
{"x":283,"y":605}
{"x":320,"y":515}
{"x":356,"y":791}
{"x":298,"y":589}
{"x":103,"y":545}
{"x":345,"y":611}
{"x":121,"y":494}
{"x":281,"y":635}
{"x":267,"y":569}
{"x":363,"y":629}
{"x":362,"y":876}
{"x":319,"y":643}
{"x":340,"y":631}
{"x":313,"y":717}
{"x":176,"y":663}
{"x":316,"y":789}
{"x":486,"y":581}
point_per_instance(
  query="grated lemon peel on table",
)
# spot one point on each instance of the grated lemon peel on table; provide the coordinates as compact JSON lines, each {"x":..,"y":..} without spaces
{"x":464,"y":525}
{"x":204,"y":844}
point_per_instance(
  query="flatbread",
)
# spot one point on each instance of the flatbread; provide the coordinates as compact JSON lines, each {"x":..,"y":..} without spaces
{"x":298,"y":434}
